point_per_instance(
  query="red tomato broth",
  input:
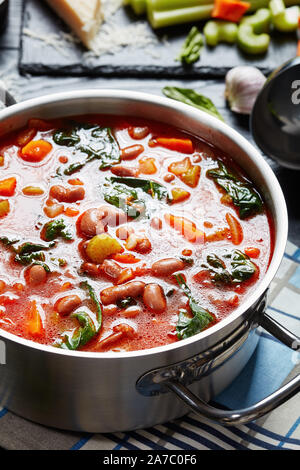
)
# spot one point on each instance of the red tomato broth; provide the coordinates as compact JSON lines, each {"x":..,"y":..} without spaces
{"x":203,"y":208}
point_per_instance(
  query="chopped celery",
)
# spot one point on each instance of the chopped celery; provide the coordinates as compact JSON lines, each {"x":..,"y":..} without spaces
{"x":220,"y":31}
{"x":250,"y":42}
{"x":163,"y":18}
{"x":284,"y":19}
{"x":139,"y":6}
{"x":173,"y":4}
{"x":260,"y":21}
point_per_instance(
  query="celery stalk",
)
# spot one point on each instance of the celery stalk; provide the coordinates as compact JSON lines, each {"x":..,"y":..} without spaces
{"x":173,"y":4}
{"x":163,"y":18}
{"x":284,"y":19}
{"x":139,"y":6}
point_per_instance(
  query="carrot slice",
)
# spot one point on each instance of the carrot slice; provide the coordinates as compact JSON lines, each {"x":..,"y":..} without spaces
{"x":236,"y":230}
{"x":34,"y":324}
{"x":187,"y":172}
{"x":186,"y":228}
{"x":179,"y":145}
{"x":127,"y":258}
{"x":8,"y":186}
{"x":230,"y":10}
{"x":36,"y":150}
{"x":252,"y":252}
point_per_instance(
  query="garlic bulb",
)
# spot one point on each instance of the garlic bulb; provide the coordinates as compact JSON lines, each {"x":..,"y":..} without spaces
{"x":243,"y":84}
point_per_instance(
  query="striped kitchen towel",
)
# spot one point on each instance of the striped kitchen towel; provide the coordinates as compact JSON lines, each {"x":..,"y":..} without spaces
{"x":271,"y":365}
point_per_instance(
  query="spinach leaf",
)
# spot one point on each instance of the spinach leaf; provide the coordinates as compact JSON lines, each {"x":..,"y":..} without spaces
{"x":243,"y":195}
{"x":87,"y":328}
{"x":57,"y":228}
{"x":155,"y":190}
{"x":190,"y":51}
{"x":28,"y":252}
{"x":122,"y":197}
{"x":186,"y":325}
{"x":192,"y":98}
{"x":232,"y":268}
{"x":96,"y":142}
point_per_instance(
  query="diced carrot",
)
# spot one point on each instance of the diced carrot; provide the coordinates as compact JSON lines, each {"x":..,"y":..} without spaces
{"x":4,"y":207}
{"x":125,"y":276}
{"x":181,"y":167}
{"x":236,"y":229}
{"x":220,"y":234}
{"x":71,"y":212}
{"x":127,"y":258}
{"x":179,"y":195}
{"x":34,"y":324}
{"x":182,"y":145}
{"x":18,"y":286}
{"x":230,"y":10}
{"x":298,"y":48}
{"x":147,"y":166}
{"x":25,"y":136}
{"x":66,"y":286}
{"x":186,"y":228}
{"x":1,"y":160}
{"x":75,"y":182}
{"x":63,"y":159}
{"x":2,"y":286}
{"x":8,"y":186}
{"x":32,"y":191}
{"x":36,"y":150}
{"x":252,"y":252}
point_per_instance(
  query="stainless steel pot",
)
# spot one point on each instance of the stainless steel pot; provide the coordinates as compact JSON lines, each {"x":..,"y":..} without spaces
{"x":122,"y":391}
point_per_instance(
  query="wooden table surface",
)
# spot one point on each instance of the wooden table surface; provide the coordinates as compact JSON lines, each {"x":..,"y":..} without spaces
{"x":29,"y":87}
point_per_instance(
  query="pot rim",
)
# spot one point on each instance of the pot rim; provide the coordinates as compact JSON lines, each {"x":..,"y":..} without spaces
{"x":217,"y":125}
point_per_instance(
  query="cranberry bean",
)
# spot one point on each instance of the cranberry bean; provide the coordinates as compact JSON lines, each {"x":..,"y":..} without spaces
{"x":167,"y":266}
{"x":59,"y":193}
{"x":62,"y":194}
{"x":36,"y":275}
{"x":138,"y":133}
{"x":131,"y":289}
{"x":168,"y":178}
{"x":111,"y":268}
{"x":144,"y":246}
{"x":131,"y":312}
{"x":154,"y":298}
{"x":121,"y":170}
{"x":67,"y":304}
{"x":90,"y":268}
{"x":130,"y":153}
{"x":75,"y":194}
{"x":90,"y":224}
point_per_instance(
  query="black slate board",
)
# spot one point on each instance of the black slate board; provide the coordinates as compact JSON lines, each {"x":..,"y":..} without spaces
{"x":38,"y":58}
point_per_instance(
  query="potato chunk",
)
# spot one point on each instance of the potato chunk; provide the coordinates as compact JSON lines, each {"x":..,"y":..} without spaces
{"x":102,"y":246}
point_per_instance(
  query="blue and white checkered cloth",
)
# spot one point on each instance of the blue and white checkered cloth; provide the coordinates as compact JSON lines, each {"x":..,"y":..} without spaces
{"x":269,"y":367}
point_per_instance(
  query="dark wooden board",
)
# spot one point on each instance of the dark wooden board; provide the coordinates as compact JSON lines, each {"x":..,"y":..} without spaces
{"x":38,"y":58}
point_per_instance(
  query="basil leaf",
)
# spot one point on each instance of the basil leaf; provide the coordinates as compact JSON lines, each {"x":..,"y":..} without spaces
{"x":122,"y":197}
{"x":57,"y":228}
{"x":85,"y":285}
{"x":190,"y":51}
{"x":192,"y":98}
{"x":243,"y":195}
{"x":96,"y":142}
{"x":29,"y":252}
{"x":186,"y":325}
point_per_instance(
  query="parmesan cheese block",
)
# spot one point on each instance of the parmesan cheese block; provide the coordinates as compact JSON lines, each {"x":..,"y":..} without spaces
{"x":83,"y":16}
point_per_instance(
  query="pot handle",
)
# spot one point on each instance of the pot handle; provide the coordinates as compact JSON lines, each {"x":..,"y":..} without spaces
{"x":242,"y":416}
{"x":6,"y":99}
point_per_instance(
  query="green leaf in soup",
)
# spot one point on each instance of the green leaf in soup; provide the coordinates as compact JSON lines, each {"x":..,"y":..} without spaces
{"x":57,"y":228}
{"x":98,"y":143}
{"x":242,"y":193}
{"x":122,"y":197}
{"x":86,"y":286}
{"x":186,"y":325}
{"x":191,"y":49}
{"x":154,"y":189}
{"x":192,"y":98}
{"x":81,"y":335}
{"x":230,"y":268}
